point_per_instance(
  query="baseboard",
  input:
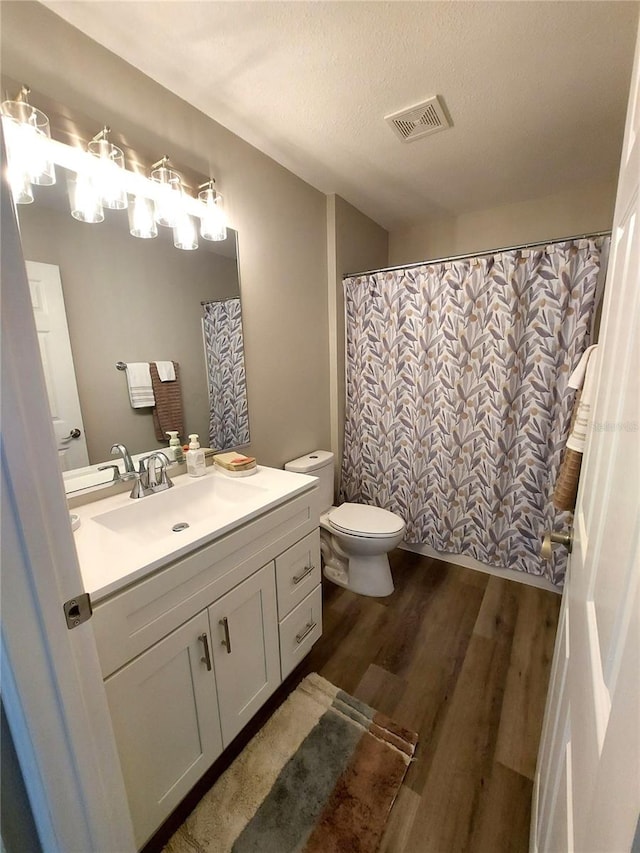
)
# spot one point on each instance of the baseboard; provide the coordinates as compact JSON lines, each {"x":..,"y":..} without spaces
{"x":470,"y":563}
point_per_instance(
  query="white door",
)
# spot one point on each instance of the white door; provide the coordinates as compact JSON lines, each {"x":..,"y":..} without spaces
{"x":587,"y":793}
{"x":57,"y":361}
{"x":51,"y":684}
{"x":246,"y":654}
{"x":164,"y":711}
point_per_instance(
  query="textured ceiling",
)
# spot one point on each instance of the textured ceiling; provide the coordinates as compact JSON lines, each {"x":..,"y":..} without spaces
{"x":536,"y":91}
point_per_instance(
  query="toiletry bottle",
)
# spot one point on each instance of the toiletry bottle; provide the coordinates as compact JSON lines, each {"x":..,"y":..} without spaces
{"x":175,"y":448}
{"x":195,"y":458}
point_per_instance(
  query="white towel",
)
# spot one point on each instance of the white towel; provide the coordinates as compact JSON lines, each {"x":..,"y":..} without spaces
{"x":578,"y":437}
{"x":577,"y":377}
{"x":166,"y":372}
{"x":139,"y":382}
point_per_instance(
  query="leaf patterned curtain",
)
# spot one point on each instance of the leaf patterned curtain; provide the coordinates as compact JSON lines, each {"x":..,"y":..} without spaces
{"x":457,"y":408}
{"x":223,"y":341}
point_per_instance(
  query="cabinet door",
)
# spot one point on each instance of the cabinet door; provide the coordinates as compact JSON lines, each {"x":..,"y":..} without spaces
{"x":165,"y":719}
{"x":244,"y":628}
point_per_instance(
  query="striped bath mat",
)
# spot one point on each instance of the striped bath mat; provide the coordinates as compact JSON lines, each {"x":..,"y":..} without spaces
{"x":319,"y":777}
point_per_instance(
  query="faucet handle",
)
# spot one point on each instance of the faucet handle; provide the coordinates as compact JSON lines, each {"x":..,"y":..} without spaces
{"x":116,"y":472}
{"x":138,"y":490}
{"x":165,"y":482}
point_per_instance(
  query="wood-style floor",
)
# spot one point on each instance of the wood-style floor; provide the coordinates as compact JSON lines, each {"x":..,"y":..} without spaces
{"x":461,"y":657}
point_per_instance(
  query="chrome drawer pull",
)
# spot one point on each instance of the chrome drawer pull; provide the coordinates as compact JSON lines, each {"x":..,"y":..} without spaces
{"x":227,"y":637}
{"x":303,"y":574}
{"x":305,"y":632}
{"x":207,"y":657}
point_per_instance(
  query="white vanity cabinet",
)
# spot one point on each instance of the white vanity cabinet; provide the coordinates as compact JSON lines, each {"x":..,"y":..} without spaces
{"x":190,"y":652}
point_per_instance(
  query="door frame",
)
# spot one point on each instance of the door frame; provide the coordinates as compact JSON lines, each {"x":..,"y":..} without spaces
{"x":52,"y":687}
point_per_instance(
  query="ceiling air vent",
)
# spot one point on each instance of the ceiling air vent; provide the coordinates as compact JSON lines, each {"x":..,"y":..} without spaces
{"x":419,"y":120}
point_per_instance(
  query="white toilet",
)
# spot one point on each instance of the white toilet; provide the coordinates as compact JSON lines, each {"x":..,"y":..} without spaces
{"x":354,"y":539}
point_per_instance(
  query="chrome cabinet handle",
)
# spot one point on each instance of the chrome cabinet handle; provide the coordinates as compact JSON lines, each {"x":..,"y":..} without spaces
{"x":207,"y":657}
{"x":305,"y":632}
{"x":303,"y":574}
{"x":227,"y":637}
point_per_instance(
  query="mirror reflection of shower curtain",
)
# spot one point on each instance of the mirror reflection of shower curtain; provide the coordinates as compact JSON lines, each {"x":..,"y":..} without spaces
{"x":458,"y":405}
{"x":226,"y":378}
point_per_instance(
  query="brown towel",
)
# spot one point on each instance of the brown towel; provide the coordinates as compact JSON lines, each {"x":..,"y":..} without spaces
{"x":566,"y":490}
{"x":167,"y":414}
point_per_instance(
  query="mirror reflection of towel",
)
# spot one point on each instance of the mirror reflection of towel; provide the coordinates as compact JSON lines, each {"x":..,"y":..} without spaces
{"x":139,"y":384}
{"x":166,"y":371}
{"x":167,"y":414}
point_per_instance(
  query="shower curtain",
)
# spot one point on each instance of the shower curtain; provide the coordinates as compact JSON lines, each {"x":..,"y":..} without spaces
{"x":457,"y":406}
{"x":226,"y":379}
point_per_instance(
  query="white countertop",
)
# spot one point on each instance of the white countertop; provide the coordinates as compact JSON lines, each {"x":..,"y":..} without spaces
{"x":120,"y":540}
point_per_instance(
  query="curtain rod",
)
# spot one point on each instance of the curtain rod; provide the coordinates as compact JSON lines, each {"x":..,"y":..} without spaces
{"x":480,"y":254}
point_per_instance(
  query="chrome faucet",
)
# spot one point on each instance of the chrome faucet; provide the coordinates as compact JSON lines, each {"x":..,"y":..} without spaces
{"x":147,"y":482}
{"x":129,"y":467}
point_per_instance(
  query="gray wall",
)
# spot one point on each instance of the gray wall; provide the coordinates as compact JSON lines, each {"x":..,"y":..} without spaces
{"x":582,"y":209}
{"x":128,"y":300}
{"x":281,"y":220}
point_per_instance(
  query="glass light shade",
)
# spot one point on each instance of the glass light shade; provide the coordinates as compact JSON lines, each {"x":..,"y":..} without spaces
{"x":213,"y":224}
{"x":20,"y":185}
{"x":185,"y":235}
{"x":27,"y":132}
{"x":84,"y":198}
{"x":141,"y":218}
{"x":169,"y":200}
{"x":110,"y":162}
{"x":17,"y":168}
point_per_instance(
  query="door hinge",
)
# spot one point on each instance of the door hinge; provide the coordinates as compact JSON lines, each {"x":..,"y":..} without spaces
{"x":77,"y":610}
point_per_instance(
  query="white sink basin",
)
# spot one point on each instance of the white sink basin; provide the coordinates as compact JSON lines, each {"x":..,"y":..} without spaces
{"x":121,"y":539}
{"x":209,"y":500}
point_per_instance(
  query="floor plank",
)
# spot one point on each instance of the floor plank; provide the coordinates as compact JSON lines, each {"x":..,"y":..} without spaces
{"x":525,"y":690}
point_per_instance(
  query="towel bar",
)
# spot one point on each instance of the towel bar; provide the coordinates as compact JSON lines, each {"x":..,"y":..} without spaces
{"x":120,"y":365}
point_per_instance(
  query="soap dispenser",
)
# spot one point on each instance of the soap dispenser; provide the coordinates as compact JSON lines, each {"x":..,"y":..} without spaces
{"x":195,"y":458}
{"x":175,"y":448}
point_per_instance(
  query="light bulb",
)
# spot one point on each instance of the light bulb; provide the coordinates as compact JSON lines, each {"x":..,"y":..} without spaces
{"x":141,"y":220}
{"x":108,"y":176}
{"x":85,"y":199}
{"x":212,"y":222}
{"x":184,"y":234}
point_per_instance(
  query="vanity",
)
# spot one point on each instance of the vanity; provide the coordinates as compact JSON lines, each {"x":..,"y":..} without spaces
{"x":205,"y":597}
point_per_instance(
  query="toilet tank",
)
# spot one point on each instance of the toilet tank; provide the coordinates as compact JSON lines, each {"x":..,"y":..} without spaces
{"x":318,"y":463}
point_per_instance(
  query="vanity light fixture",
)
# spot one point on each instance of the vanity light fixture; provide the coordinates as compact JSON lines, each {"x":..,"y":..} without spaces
{"x":213,"y":224}
{"x":111,"y":163}
{"x":27,"y":130}
{"x":98,"y":178}
{"x":169,"y":198}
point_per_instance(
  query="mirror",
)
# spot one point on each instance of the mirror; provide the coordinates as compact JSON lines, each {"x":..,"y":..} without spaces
{"x":135,"y":300}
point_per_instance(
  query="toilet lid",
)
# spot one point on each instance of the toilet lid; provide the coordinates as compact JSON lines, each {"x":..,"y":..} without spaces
{"x":365,"y":520}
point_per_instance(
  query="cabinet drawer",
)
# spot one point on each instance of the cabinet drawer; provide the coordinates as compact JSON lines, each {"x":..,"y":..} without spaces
{"x":299,"y":631}
{"x":297,"y":572}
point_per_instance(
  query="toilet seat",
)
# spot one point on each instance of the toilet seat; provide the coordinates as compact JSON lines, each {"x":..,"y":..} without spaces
{"x":369,"y":521}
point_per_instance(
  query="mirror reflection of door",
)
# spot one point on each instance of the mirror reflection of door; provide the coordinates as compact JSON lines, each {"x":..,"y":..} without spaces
{"x":57,"y":360}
